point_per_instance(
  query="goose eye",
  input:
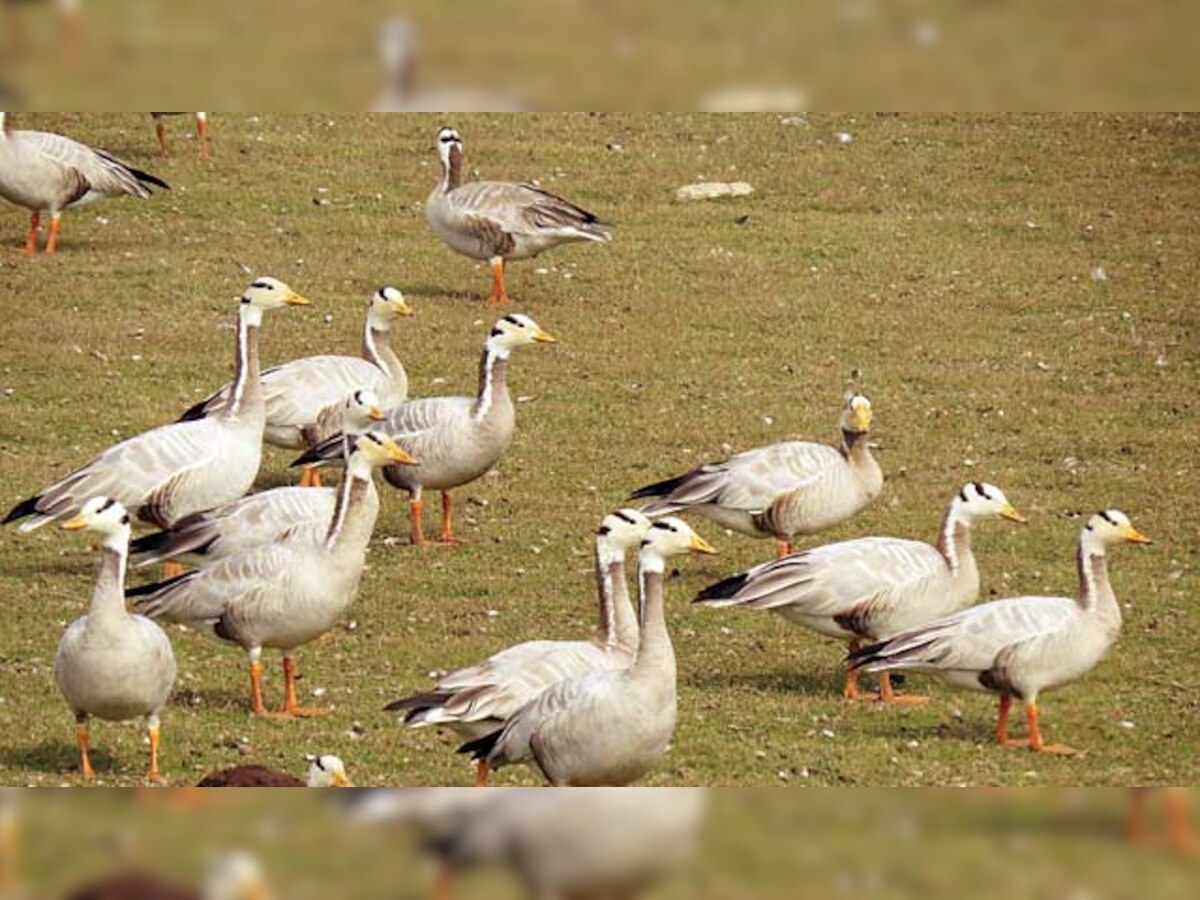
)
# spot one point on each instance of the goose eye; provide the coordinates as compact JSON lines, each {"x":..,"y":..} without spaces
{"x":125,"y":519}
{"x":496,"y":332}
{"x":603,"y":530}
{"x":962,"y":495}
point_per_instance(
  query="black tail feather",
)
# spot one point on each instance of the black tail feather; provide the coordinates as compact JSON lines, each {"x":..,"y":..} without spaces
{"x":723,"y":589}
{"x":143,"y":590}
{"x":147,"y":178}
{"x":864,"y":656}
{"x":417,"y":703}
{"x":319,"y":454}
{"x":658,"y":489}
{"x":23,"y":509}
{"x":149,"y":543}
{"x":197,"y":411}
{"x":481,"y":748}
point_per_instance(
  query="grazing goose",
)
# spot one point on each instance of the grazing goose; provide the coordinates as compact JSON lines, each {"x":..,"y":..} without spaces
{"x":111,"y":664}
{"x":457,"y":439}
{"x":476,"y":701}
{"x":500,"y":220}
{"x":285,"y":594}
{"x":323,"y":771}
{"x":1020,"y":646}
{"x":871,"y":588}
{"x":781,"y":490}
{"x":304,"y":398}
{"x":160,"y":129}
{"x":233,"y":876}
{"x":178,"y":469}
{"x":607,"y":727}
{"x":286,"y":513}
{"x":49,"y":173}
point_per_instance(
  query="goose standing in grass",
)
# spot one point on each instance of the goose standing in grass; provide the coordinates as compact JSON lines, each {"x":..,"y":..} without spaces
{"x":500,"y":220}
{"x":1020,"y":646}
{"x":457,"y":439}
{"x":305,"y":397}
{"x":323,"y":771}
{"x":286,"y":513}
{"x":285,"y":594}
{"x":868,"y":589}
{"x":47,"y":173}
{"x":175,"y":470}
{"x":110,"y":664}
{"x":781,"y":490}
{"x":607,"y":727}
{"x":160,"y":129}
{"x":476,"y":701}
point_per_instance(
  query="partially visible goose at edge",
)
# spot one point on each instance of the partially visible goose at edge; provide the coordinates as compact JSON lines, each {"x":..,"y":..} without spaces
{"x":304,"y":397}
{"x":285,"y":594}
{"x":48,"y":173}
{"x":501,"y":220}
{"x":607,"y":727}
{"x":172,"y":471}
{"x":780,"y":490}
{"x":293,"y":514}
{"x":160,"y":130}
{"x":457,"y":439}
{"x":871,"y":588}
{"x":233,"y":876}
{"x":1021,"y":646}
{"x":323,"y":771}
{"x":476,"y":701}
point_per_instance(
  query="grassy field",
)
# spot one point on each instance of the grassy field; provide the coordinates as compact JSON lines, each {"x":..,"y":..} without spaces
{"x":941,"y":264}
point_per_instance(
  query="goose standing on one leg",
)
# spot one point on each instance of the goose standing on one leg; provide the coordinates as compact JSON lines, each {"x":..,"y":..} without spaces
{"x":781,"y":490}
{"x":160,"y":129}
{"x":476,"y":701}
{"x":110,"y":664}
{"x":285,"y":594}
{"x":304,"y":398}
{"x":1020,"y":646}
{"x":457,"y":439}
{"x":608,"y":727}
{"x":47,"y":173}
{"x":284,"y":513}
{"x":500,"y":220}
{"x":172,"y":471}
{"x":868,"y":589}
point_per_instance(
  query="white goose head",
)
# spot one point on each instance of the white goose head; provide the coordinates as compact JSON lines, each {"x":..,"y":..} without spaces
{"x":236,"y":876}
{"x":377,"y":450}
{"x":515,"y":330}
{"x":327,"y":771}
{"x":978,"y":500}
{"x":387,"y":304}
{"x":270,"y":293}
{"x":1111,"y":526}
{"x":450,"y":145}
{"x":622,"y":530}
{"x":856,"y":415}
{"x":670,"y":537}
{"x":104,"y":516}
{"x":361,"y":409}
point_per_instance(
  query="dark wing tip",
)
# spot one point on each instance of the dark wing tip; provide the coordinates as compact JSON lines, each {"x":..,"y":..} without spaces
{"x":23,"y":509}
{"x":481,"y":748}
{"x":723,"y":589}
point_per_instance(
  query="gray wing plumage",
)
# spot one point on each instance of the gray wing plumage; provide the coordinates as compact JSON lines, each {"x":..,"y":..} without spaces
{"x":103,"y":172}
{"x":524,"y":209}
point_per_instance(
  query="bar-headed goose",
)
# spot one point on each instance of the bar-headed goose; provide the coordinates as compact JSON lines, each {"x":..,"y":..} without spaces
{"x":1020,"y":646}
{"x":476,"y":701}
{"x":110,"y":664}
{"x":46,"y":172}
{"x":607,"y":727}
{"x":178,"y":469}
{"x":457,"y":439}
{"x":304,"y":398}
{"x":871,"y":588}
{"x":323,"y":771}
{"x":232,"y":876}
{"x":781,"y":490}
{"x":160,"y":129}
{"x":500,"y":220}
{"x":285,"y":513}
{"x":285,"y":594}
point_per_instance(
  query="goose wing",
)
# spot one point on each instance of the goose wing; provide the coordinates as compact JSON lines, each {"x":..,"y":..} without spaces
{"x":102,"y":171}
{"x":523,"y":209}
{"x":419,"y":426}
{"x":297,"y":393}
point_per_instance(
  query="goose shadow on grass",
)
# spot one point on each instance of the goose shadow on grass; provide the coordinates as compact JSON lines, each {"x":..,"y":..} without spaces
{"x":223,"y":700}
{"x":818,"y":683}
{"x":441,"y":293}
{"x":54,"y":756}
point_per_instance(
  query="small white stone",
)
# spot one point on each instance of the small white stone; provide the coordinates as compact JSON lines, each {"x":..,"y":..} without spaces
{"x":327,"y":318}
{"x":493,"y":613}
{"x":318,"y":692}
{"x":827,"y":732}
{"x":1127,"y":725}
{"x":844,"y":137}
{"x":1098,"y":274}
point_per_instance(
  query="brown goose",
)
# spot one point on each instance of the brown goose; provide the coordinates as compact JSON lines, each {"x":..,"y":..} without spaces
{"x":323,"y":771}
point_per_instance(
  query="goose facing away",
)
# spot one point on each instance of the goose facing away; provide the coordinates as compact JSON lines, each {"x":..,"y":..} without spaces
{"x":304,"y":398}
{"x":1020,"y":646}
{"x":160,"y":130}
{"x":285,"y":594}
{"x":607,"y":727}
{"x":457,"y":439}
{"x":110,"y":664}
{"x":285,"y":513}
{"x":476,"y":701}
{"x":781,"y":490}
{"x":868,"y":589}
{"x":500,"y":220}
{"x":172,"y":471}
{"x":48,"y":173}
{"x":323,"y":771}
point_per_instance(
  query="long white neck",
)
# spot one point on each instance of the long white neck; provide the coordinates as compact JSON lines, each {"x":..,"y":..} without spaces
{"x":3,"y":125}
{"x":493,"y":379}
{"x":618,"y":623}
{"x":1095,"y":590}
{"x":246,"y":393}
{"x":954,"y":539}
{"x":377,"y":350}
{"x":349,"y":525}
{"x":655,"y":656}
{"x":452,"y":165}
{"x":108,"y":596}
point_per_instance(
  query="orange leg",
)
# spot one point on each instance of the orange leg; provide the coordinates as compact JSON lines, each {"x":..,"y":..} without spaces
{"x":482,"y":771}
{"x":52,"y":240}
{"x":784,"y":548}
{"x":1136,"y":825}
{"x":153,"y":776}
{"x":1035,"y":742}
{"x":443,"y":888}
{"x":160,"y":129}
{"x":85,"y":758}
{"x":72,"y":32}
{"x":256,"y":695}
{"x":290,"y":705}
{"x":202,"y":134}
{"x":1002,"y":719}
{"x":447,"y":535}
{"x":172,"y":569}
{"x":887,"y":695}
{"x":498,"y":296}
{"x":31,"y":240}
{"x":310,"y":477}
{"x":8,"y":854}
{"x":1179,"y":825}
{"x":416,"y":536}
{"x":850,"y":691}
